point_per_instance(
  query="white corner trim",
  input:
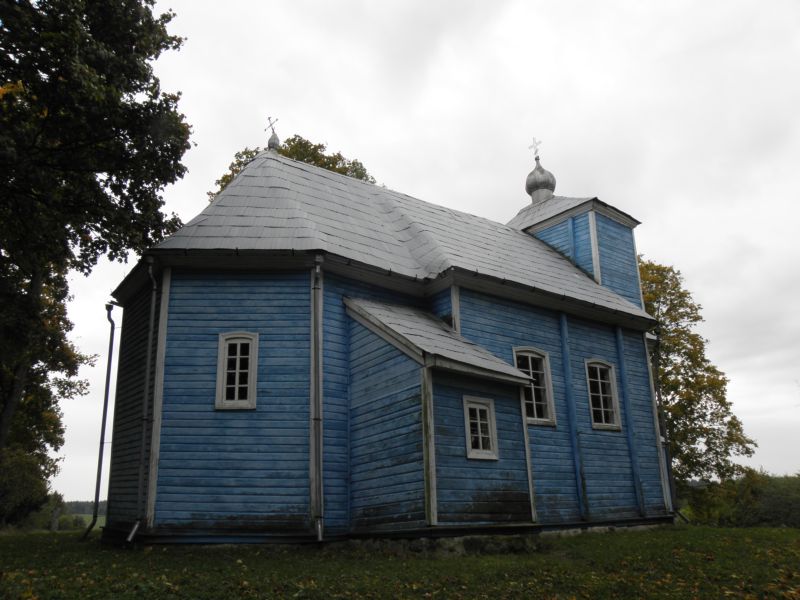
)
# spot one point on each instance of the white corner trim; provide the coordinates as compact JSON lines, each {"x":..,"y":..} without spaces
{"x":455,"y":307}
{"x":662,"y":459}
{"x":598,"y":277}
{"x":158,"y":397}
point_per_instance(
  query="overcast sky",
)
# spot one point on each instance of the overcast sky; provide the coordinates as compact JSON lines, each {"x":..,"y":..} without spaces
{"x":682,"y":114}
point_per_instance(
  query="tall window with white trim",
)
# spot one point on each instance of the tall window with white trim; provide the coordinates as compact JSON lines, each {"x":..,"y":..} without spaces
{"x":237,"y":367}
{"x":538,"y":394}
{"x":481,"y":428}
{"x":603,"y":402}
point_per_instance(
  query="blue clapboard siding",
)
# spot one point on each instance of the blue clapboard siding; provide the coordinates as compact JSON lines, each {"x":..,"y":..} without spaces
{"x":571,"y":237}
{"x":500,"y":325}
{"x":245,"y":467}
{"x":336,"y":400}
{"x":387,"y":477}
{"x":610,"y":490}
{"x":559,"y":237}
{"x":123,"y":488}
{"x":641,"y":403}
{"x":440,"y":304}
{"x":583,"y":243}
{"x":618,"y":258}
{"x":475,"y":490}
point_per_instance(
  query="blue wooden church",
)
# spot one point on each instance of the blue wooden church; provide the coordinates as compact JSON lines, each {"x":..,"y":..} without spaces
{"x":315,"y":357}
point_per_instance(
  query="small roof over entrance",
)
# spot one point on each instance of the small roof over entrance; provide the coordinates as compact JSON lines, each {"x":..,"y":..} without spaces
{"x":431,"y":342}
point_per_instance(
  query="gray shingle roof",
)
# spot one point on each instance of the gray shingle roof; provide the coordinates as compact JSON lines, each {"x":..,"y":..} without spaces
{"x":430,"y":340}
{"x":538,"y":212}
{"x":280,"y":204}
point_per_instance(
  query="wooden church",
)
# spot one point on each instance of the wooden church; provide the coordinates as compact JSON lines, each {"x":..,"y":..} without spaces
{"x":316,"y":357}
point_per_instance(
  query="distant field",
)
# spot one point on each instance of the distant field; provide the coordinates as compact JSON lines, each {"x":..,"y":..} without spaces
{"x":101,"y":519}
{"x":676,"y":562}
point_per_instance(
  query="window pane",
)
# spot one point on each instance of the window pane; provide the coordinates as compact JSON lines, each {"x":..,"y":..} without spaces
{"x":231,"y":364}
{"x":522,"y":362}
{"x":242,"y":392}
{"x":243,"y":378}
{"x":475,"y":442}
{"x":230,"y":379}
{"x":230,"y":393}
{"x":244,"y":349}
{"x":232,"y":349}
{"x":243,"y":363}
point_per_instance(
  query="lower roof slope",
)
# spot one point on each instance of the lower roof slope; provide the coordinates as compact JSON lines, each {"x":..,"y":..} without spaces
{"x":278,"y":204}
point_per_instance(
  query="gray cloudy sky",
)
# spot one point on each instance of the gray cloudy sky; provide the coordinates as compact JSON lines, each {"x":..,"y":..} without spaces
{"x":683,"y":114}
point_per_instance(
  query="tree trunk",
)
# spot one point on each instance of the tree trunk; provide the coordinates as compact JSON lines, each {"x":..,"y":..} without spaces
{"x":34,"y":298}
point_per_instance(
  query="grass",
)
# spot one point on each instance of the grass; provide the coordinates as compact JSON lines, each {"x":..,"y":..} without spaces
{"x":675,"y":562}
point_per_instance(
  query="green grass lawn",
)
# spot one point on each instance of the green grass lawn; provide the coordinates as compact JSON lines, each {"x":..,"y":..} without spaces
{"x":673,"y":562}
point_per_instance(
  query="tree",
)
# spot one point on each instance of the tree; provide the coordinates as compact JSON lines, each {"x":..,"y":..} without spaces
{"x":88,"y":141}
{"x":300,"y":149}
{"x":704,"y":434}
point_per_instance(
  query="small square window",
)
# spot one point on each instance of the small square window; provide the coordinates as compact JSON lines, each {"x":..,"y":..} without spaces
{"x":603,"y":404}
{"x":480,"y":427}
{"x":236,"y":370}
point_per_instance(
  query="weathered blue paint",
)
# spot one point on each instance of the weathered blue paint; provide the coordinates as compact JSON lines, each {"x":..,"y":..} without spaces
{"x":571,"y":237}
{"x":387,"y":485}
{"x":500,"y":326}
{"x":246,"y":468}
{"x":440,"y":305}
{"x":123,"y":488}
{"x":572,"y":419}
{"x":473,"y":490}
{"x":336,"y":393}
{"x":625,"y":394}
{"x":618,"y":258}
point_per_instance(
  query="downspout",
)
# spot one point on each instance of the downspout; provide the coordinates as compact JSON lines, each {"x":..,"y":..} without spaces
{"x":662,"y":421}
{"x":145,"y":396}
{"x":109,"y":308}
{"x":317,"y":506}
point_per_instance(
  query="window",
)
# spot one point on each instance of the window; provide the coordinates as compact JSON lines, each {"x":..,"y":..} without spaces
{"x":602,"y":395}
{"x":237,"y":364}
{"x":538,"y":394}
{"x":481,"y":429}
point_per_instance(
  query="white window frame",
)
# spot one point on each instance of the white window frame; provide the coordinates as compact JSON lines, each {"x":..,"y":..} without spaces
{"x":252,"y":375}
{"x":481,"y":404}
{"x":615,"y":426}
{"x":548,"y":385}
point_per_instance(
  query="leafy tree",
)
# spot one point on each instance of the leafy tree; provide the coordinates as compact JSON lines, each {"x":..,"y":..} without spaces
{"x":88,"y":141}
{"x":300,"y":149}
{"x":704,"y":434}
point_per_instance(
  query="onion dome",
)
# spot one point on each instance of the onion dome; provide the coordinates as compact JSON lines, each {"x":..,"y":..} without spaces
{"x":274,"y":143}
{"x":540,"y":180}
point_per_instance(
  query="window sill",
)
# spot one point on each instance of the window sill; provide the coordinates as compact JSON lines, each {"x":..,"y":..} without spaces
{"x":541,"y":422}
{"x":603,"y":427}
{"x":482,"y":456}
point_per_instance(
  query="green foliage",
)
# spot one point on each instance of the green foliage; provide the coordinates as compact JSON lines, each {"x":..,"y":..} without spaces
{"x":703,"y":432}
{"x":88,"y":141}
{"x":23,"y":485}
{"x":674,"y":562}
{"x":300,"y":149}
{"x":754,"y":499}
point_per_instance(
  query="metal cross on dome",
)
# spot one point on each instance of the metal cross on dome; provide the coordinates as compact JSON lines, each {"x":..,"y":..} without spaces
{"x":535,"y":146}
{"x":271,"y":124}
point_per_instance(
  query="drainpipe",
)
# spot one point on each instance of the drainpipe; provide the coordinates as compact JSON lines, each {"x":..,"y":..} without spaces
{"x":145,"y":398}
{"x":317,"y":503}
{"x":109,"y":308}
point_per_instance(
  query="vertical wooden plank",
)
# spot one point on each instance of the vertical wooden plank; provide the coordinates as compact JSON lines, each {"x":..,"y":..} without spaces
{"x":429,"y":447}
{"x":595,"y":247}
{"x":158,"y":396}
{"x":580,"y":484}
{"x":629,"y":424}
{"x":529,"y":467}
{"x":571,"y":236}
{"x":455,"y":306}
{"x":662,"y":458}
